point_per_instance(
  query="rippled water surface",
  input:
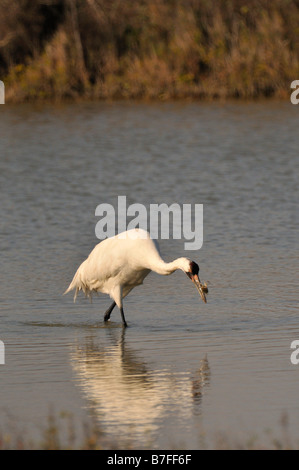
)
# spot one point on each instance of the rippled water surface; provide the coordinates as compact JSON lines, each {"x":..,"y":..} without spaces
{"x":183,"y":371}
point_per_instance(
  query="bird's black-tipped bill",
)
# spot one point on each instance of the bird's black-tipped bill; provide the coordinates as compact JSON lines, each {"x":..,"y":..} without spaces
{"x":202,"y":288}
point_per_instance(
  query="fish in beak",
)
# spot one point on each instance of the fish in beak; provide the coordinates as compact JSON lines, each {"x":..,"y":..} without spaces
{"x":193,"y":275}
{"x":202,"y":288}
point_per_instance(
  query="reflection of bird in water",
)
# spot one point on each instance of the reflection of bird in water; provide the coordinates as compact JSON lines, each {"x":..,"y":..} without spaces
{"x":130,"y":401}
{"x":200,"y":380}
{"x":118,"y":264}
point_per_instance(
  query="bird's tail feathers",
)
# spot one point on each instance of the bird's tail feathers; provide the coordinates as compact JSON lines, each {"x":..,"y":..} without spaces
{"x":72,"y":286}
{"x":78,"y":284}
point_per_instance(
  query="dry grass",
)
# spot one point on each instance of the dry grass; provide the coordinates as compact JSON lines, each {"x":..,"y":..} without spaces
{"x":152,"y":49}
{"x":60,"y":433}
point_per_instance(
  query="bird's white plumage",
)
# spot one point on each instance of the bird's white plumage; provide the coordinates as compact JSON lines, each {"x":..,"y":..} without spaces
{"x":118,"y":264}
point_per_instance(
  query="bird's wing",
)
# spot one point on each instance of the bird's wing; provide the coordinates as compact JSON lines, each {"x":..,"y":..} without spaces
{"x":117,"y":260}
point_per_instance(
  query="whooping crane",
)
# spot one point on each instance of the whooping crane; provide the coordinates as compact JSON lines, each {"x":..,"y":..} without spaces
{"x":118,"y":264}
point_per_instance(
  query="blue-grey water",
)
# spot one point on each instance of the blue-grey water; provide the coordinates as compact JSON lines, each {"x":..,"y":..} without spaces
{"x":183,"y":371}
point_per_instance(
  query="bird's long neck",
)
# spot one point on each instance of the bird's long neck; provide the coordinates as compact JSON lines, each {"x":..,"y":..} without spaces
{"x":161,"y":267}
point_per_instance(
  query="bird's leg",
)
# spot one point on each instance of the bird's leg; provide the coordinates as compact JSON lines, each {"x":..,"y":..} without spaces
{"x":123,"y":317}
{"x":108,"y":312}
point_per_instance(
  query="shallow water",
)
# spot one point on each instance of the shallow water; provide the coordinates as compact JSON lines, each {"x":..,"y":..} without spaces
{"x":183,"y":371}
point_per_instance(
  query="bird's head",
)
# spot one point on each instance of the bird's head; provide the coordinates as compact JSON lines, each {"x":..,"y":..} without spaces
{"x":192,"y":272}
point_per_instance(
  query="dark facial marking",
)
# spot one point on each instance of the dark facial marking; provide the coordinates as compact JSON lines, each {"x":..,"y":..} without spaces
{"x":194,"y":267}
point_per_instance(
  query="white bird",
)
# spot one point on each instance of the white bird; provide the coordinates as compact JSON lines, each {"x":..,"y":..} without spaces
{"x":118,"y":264}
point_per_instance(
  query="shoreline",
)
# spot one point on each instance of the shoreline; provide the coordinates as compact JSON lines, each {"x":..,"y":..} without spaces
{"x":150,"y":101}
{"x":149,"y":50}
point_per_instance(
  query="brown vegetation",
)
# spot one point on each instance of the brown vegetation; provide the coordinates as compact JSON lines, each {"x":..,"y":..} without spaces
{"x":59,"y":433}
{"x":163,"y":49}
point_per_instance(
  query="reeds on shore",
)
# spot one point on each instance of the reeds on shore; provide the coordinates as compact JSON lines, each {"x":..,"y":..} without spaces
{"x":148,"y":49}
{"x":60,"y":432}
